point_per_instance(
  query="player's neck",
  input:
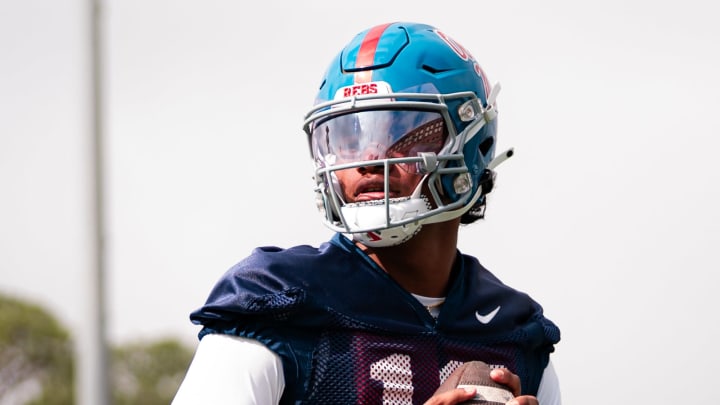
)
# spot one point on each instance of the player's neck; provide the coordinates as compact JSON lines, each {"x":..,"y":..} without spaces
{"x":423,"y":264}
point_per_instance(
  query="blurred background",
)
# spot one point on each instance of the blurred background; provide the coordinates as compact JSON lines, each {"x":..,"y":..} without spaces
{"x":607,"y":214}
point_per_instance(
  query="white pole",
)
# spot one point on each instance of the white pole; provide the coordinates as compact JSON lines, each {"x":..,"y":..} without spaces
{"x":92,"y":381}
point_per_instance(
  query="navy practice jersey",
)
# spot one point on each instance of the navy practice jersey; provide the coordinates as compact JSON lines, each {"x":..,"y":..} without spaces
{"x":349,"y":334}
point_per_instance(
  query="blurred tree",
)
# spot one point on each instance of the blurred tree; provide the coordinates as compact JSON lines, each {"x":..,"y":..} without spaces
{"x":148,"y":373}
{"x":36,"y":362}
{"x":36,"y":356}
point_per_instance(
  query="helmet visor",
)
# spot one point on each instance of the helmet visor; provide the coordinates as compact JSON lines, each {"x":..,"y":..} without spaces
{"x":378,"y":134}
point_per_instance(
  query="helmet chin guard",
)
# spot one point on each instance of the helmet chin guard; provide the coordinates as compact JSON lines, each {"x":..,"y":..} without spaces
{"x":378,"y":215}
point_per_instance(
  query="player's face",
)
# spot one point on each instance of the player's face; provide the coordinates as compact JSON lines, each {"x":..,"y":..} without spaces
{"x":366,"y":183}
{"x":369,"y":138}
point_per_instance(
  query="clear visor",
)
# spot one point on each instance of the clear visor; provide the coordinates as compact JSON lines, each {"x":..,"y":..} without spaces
{"x":378,"y":134}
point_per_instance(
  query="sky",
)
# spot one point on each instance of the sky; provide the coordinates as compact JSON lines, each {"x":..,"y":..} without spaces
{"x":607,"y":214}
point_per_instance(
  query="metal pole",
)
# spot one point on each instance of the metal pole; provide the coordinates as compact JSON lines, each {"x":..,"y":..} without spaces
{"x":93,"y":381}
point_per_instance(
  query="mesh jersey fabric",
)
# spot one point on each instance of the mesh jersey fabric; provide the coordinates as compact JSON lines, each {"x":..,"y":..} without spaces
{"x":349,"y":334}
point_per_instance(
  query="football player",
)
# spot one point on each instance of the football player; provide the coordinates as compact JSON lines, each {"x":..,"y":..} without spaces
{"x":402,"y":134}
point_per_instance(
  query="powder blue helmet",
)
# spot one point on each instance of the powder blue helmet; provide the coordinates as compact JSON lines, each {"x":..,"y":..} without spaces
{"x":419,"y":100}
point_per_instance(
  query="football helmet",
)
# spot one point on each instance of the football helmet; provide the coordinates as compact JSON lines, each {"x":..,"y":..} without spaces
{"x":402,"y":96}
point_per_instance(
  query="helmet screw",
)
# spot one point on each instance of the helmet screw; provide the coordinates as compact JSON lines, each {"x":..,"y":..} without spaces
{"x":462,"y":183}
{"x":466,"y":111}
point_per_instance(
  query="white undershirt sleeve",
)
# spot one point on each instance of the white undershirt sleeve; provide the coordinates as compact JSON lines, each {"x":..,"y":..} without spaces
{"x":549,"y":390}
{"x":232,"y":370}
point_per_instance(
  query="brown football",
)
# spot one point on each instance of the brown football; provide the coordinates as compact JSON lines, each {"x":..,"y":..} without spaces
{"x":477,"y":374}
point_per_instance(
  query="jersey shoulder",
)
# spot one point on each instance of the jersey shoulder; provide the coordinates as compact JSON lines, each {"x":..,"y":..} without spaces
{"x":479,"y":300}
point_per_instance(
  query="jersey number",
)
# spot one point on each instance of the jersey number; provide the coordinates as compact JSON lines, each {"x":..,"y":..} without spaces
{"x":395,"y":373}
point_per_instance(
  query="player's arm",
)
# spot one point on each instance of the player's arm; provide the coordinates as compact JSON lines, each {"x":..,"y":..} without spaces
{"x":231,"y":370}
{"x":549,"y":390}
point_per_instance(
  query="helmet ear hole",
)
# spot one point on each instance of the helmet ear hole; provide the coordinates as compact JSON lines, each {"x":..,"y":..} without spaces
{"x":486,"y":145}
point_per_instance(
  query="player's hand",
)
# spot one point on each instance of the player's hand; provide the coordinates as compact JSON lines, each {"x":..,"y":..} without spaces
{"x":506,"y":377}
{"x":456,"y":396}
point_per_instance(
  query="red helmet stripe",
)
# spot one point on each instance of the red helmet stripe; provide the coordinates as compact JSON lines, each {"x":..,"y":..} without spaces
{"x":366,"y":54}
{"x":373,"y":236}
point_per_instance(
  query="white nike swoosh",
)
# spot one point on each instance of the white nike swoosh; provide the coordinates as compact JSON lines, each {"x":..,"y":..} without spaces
{"x":485,"y":319}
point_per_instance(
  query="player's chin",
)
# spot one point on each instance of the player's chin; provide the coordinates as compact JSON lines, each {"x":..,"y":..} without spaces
{"x":373,"y":196}
{"x":370,"y":196}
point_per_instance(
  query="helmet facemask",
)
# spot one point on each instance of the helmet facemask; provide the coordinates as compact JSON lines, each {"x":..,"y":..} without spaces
{"x":411,"y":139}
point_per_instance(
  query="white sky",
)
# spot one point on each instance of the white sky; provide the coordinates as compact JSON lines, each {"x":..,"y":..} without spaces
{"x":607,"y":214}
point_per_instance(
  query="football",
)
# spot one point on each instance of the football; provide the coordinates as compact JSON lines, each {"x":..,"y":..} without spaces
{"x":477,"y":374}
